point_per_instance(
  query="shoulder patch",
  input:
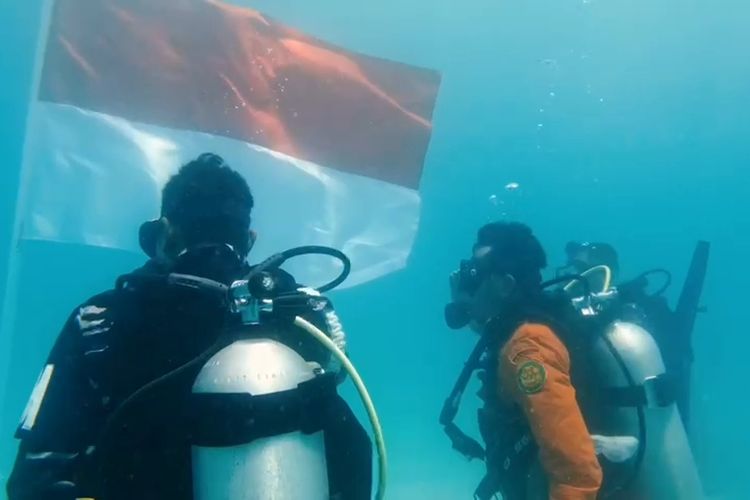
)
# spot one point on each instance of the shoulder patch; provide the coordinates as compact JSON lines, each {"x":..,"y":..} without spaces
{"x":531,"y":377}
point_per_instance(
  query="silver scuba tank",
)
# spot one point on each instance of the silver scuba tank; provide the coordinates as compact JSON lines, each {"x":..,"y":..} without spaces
{"x":289,"y":466}
{"x":667,"y":469}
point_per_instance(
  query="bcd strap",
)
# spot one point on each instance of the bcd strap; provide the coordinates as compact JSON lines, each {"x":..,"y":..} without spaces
{"x":230,"y":419}
{"x":654,"y":392}
{"x":462,"y":443}
{"x":465,"y":445}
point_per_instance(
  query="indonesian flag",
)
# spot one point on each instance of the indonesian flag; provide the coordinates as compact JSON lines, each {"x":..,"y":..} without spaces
{"x":331,"y":142}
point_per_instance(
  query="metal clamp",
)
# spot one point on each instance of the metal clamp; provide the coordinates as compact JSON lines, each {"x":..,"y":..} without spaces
{"x":245,"y":304}
{"x":656,"y":391}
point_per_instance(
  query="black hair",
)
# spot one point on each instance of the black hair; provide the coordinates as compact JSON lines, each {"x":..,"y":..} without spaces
{"x":514,"y":250}
{"x":208,"y":202}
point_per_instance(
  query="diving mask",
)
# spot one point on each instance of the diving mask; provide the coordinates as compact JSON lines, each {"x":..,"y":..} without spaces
{"x":469,"y":277}
{"x":464,"y":285}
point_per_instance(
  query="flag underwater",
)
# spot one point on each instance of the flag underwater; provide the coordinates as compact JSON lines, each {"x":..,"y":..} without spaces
{"x":331,"y":142}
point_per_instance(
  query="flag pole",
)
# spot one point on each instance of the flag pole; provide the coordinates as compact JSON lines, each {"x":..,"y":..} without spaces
{"x":15,"y":255}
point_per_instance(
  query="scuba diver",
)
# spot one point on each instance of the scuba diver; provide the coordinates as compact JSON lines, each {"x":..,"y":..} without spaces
{"x":672,"y":329}
{"x":193,"y":377}
{"x":575,"y":401}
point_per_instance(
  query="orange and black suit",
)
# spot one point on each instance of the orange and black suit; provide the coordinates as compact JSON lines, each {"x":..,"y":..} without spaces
{"x":534,"y":373}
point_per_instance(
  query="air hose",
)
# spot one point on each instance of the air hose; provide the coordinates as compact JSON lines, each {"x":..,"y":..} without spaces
{"x":275,"y":261}
{"x":363,"y":394}
{"x":602,"y":269}
{"x":667,"y":279}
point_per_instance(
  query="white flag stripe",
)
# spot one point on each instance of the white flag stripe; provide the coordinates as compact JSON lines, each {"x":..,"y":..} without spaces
{"x":94,"y":178}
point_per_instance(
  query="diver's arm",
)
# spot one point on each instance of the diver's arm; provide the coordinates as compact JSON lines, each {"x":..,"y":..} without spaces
{"x":535,"y":372}
{"x":57,"y":426}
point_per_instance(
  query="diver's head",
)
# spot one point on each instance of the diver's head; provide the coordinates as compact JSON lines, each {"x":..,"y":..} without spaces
{"x":205,"y":203}
{"x":583,"y":256}
{"x":505,"y":267}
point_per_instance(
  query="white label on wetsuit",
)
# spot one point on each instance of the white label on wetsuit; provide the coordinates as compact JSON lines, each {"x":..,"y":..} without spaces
{"x":37,"y":397}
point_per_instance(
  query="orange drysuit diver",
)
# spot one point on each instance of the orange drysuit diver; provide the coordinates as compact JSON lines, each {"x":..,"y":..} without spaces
{"x":534,"y":373}
{"x":572,"y":386}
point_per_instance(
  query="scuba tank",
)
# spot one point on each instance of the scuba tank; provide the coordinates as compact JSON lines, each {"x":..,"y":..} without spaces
{"x":634,"y":398}
{"x":287,"y":465}
{"x":258,"y":410}
{"x":638,"y":401}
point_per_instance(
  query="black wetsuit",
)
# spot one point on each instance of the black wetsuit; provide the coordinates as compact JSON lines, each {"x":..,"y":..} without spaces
{"x":111,"y":346}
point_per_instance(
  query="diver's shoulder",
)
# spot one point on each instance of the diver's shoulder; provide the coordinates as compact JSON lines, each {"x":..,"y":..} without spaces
{"x":97,"y":308}
{"x":117,"y":296}
{"x":536,"y":337}
{"x":535,"y":330}
{"x":104,"y":298}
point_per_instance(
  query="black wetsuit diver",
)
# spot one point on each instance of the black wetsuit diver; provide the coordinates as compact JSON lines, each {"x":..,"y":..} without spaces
{"x":111,"y":346}
{"x":85,"y":433}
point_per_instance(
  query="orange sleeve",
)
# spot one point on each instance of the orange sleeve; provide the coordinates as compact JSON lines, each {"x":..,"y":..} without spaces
{"x":548,"y":400}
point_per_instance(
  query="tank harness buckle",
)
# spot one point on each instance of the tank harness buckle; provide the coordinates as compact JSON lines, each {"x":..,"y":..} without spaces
{"x":658,"y":391}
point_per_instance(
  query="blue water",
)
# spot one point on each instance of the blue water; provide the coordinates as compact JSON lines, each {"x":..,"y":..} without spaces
{"x":621,"y":120}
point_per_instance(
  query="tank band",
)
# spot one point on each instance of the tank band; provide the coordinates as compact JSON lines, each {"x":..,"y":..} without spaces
{"x":231,"y":419}
{"x":654,"y":392}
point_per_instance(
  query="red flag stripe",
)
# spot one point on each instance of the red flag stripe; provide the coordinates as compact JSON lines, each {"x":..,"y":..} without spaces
{"x":211,"y":67}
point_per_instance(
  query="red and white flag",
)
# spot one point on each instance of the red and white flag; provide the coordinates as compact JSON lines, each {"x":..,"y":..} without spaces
{"x":331,"y":142}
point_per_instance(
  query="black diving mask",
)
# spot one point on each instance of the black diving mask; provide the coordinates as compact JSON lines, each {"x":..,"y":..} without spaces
{"x":469,"y":277}
{"x":465,"y":281}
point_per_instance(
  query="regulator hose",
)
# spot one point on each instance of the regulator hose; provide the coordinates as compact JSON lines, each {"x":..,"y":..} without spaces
{"x":363,"y":394}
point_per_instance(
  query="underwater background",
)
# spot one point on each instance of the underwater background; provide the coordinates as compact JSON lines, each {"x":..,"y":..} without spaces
{"x":626,"y":121}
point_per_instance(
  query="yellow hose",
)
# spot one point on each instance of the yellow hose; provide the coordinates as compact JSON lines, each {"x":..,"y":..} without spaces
{"x":588,"y":272}
{"x":362,"y":390}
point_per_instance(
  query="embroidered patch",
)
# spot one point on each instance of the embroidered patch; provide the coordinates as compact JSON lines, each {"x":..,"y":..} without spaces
{"x":531,"y":377}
